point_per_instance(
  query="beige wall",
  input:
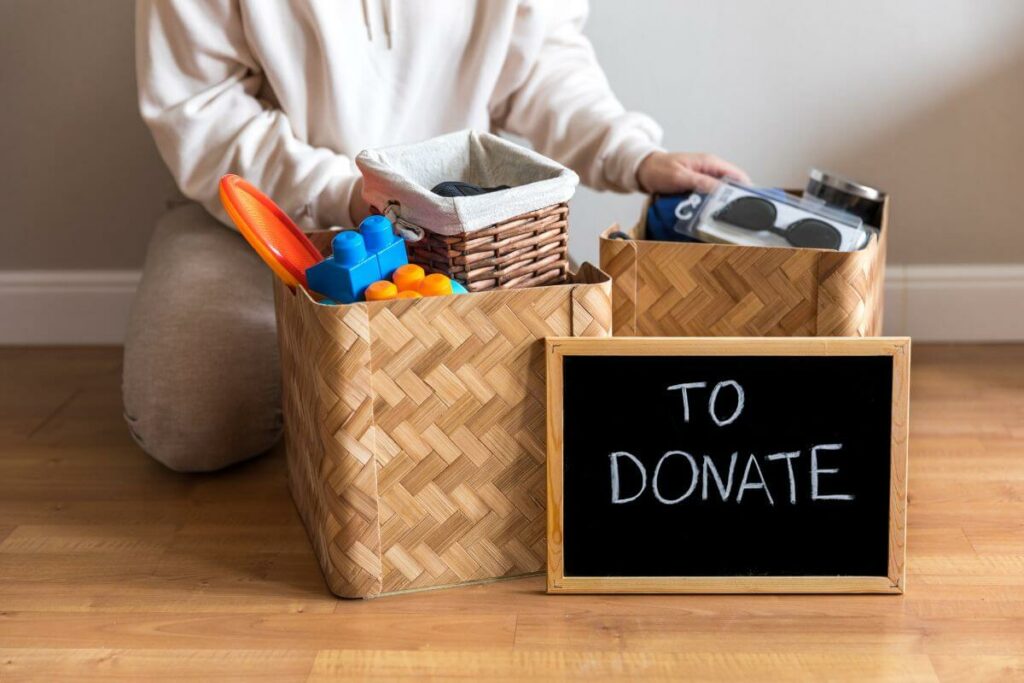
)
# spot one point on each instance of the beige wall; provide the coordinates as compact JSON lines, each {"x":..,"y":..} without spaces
{"x":83,"y":181}
{"x":921,"y":97}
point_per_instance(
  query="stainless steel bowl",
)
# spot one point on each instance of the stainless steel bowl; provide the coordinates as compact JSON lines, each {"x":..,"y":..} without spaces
{"x":848,"y":195}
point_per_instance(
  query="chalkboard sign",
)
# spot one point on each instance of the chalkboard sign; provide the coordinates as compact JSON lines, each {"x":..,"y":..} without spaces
{"x":727,"y":465}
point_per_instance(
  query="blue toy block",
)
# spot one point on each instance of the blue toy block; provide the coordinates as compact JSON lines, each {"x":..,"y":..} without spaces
{"x":391,"y":257}
{"x":382,"y":242}
{"x":345,"y":275}
{"x":359,"y":259}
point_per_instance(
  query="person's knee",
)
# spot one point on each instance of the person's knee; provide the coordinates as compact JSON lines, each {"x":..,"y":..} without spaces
{"x":197,"y":400}
{"x":198,"y":409}
{"x":188,"y":440}
{"x":201,"y":381}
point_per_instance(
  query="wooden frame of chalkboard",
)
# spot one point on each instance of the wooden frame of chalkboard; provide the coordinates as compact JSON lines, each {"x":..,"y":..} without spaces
{"x":890,"y":576}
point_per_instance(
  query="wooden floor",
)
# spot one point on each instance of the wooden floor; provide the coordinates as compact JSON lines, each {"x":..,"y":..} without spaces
{"x":111,"y":566}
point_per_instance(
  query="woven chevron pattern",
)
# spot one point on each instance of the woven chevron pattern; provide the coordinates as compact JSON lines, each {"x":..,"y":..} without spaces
{"x":619,"y":257}
{"x":416,"y":430}
{"x":851,"y":293}
{"x":702,"y":289}
{"x":678,"y":289}
{"x":328,"y":407}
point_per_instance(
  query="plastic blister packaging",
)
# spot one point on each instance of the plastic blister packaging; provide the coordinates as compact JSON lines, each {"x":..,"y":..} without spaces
{"x":671,"y":218}
{"x":737,"y":214}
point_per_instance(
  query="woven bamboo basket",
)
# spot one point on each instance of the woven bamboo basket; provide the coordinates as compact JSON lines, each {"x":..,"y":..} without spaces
{"x":685,"y":289}
{"x":525,"y":251}
{"x":415,"y":430}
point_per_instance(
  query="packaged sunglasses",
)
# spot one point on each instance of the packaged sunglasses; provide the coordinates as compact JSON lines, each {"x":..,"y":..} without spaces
{"x":737,"y":214}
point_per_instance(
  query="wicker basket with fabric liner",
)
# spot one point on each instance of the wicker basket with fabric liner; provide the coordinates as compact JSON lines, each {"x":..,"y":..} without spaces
{"x":415,"y":429}
{"x":512,"y":238}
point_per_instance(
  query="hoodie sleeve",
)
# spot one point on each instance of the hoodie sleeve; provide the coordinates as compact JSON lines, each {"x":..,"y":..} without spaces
{"x":199,"y":89}
{"x":553,"y":92}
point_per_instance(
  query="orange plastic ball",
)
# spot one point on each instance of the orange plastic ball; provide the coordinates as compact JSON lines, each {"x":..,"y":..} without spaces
{"x":381,"y":290}
{"x":408,"y":277}
{"x":436,"y":285}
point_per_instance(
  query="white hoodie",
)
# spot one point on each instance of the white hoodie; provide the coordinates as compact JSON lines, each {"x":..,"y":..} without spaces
{"x":286,"y":94}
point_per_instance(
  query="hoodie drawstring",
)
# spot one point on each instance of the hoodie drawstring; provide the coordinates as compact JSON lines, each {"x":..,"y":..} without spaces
{"x":387,"y":12}
{"x":389,"y":17}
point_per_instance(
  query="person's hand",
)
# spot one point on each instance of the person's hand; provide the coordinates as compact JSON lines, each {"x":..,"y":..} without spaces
{"x":674,"y":172}
{"x":358,"y":208}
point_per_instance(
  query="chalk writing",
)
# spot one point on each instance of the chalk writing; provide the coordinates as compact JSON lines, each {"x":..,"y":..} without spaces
{"x":672,"y":489}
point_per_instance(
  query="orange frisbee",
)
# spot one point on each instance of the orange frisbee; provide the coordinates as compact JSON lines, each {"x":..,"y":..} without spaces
{"x":268,"y":230}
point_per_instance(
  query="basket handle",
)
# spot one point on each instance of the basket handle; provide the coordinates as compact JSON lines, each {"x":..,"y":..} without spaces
{"x":407,"y":231}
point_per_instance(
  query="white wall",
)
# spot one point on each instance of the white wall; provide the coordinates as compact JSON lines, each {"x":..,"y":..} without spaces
{"x":922,"y":97}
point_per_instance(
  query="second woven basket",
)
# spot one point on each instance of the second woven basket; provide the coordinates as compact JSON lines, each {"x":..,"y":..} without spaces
{"x":512,"y":238}
{"x":524,"y":251}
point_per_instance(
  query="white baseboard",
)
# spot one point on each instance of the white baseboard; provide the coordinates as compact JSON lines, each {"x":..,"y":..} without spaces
{"x":65,"y":306}
{"x":956,"y":303}
{"x":968,"y":302}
